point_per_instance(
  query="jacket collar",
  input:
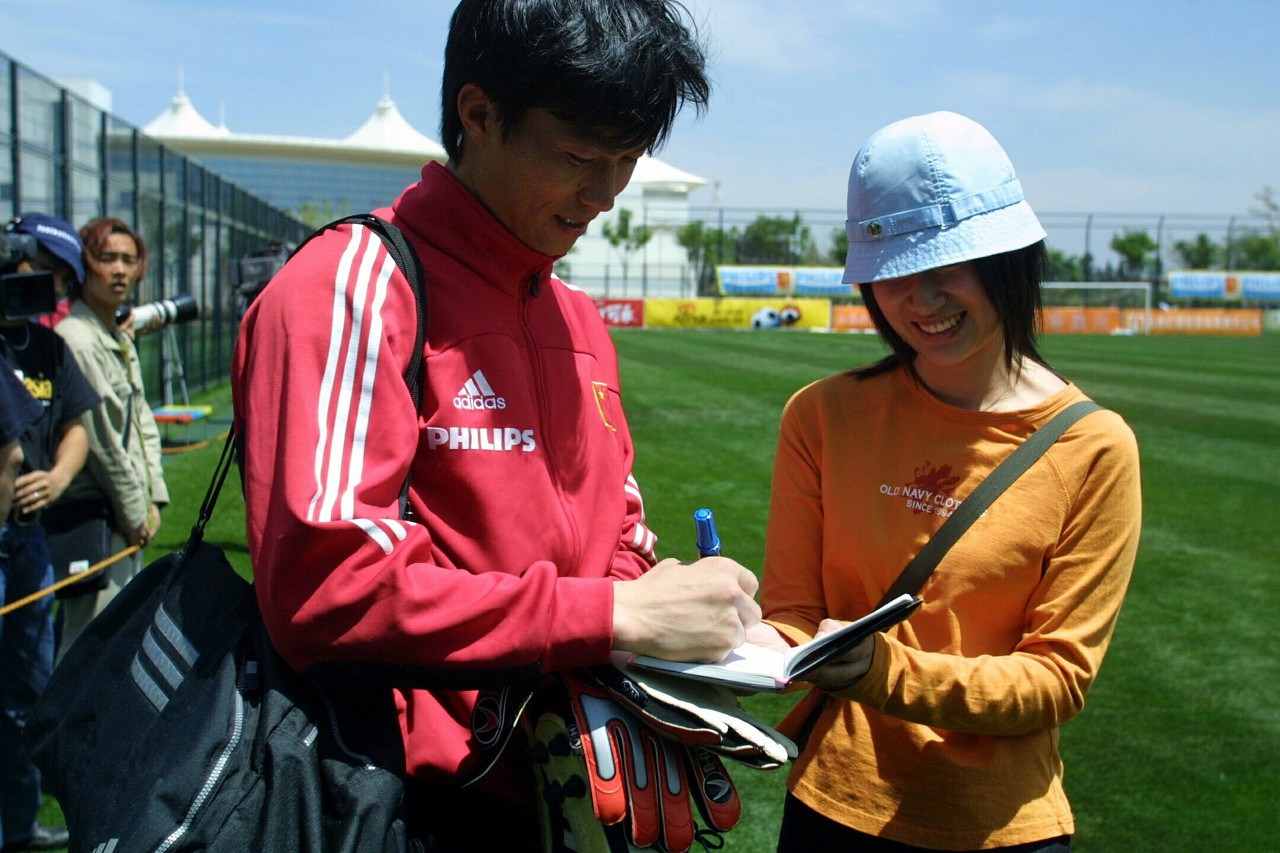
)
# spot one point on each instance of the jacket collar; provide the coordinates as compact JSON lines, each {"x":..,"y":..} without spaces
{"x":444,"y":214}
{"x":79,"y":308}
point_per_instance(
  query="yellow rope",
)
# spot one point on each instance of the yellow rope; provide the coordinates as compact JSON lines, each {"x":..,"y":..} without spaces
{"x":79,"y":576}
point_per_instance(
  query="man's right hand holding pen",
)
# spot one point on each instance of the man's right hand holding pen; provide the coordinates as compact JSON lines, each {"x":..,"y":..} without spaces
{"x":697,"y":611}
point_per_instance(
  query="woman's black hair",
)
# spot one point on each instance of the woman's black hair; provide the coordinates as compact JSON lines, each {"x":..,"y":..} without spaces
{"x":1011,"y":281}
{"x":618,"y":68}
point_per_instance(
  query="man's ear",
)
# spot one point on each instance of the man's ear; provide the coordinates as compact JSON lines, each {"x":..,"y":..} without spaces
{"x":478,"y":115}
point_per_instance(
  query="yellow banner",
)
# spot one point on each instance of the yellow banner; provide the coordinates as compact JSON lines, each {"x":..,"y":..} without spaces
{"x":738,"y":313}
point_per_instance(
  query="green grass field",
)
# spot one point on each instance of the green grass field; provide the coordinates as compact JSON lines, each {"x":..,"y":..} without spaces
{"x":1178,"y":748}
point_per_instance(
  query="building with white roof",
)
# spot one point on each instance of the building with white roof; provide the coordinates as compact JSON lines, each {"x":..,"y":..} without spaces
{"x":328,"y":178}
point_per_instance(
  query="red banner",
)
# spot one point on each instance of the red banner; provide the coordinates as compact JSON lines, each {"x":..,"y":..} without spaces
{"x":621,"y":312}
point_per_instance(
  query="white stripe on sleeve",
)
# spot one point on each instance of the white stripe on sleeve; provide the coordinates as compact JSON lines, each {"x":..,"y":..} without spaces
{"x":343,"y":411}
{"x":332,"y":358}
{"x":369,"y":375}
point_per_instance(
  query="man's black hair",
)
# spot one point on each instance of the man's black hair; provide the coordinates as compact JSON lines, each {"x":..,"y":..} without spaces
{"x":618,"y":67}
{"x":1011,"y":281}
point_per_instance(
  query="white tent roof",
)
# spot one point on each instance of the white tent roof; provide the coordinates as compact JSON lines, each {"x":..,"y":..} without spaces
{"x":388,"y":129}
{"x":182,"y":120}
{"x":653,"y":173}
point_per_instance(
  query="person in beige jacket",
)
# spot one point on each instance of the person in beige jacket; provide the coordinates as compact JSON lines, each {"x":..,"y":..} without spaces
{"x":124,"y":465}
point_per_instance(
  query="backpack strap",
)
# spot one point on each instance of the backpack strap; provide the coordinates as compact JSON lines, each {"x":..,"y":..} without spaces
{"x":401,"y":251}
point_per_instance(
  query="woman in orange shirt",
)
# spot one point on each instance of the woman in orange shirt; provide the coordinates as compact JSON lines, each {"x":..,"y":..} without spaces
{"x":941,"y":733}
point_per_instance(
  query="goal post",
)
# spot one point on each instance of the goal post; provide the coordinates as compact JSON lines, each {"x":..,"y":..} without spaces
{"x":1099,"y":307}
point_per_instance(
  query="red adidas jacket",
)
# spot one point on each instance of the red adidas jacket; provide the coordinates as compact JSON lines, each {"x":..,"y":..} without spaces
{"x":523,"y":505}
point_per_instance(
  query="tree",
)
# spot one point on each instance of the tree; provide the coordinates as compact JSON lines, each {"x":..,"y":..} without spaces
{"x":1135,"y":248}
{"x":1256,"y":250}
{"x":1270,"y":209}
{"x":1259,"y":249}
{"x":839,"y":250}
{"x":1199,"y":254}
{"x":318,"y":214}
{"x":777,"y":240}
{"x":626,"y":239}
{"x":707,"y":248}
{"x":1064,"y":267}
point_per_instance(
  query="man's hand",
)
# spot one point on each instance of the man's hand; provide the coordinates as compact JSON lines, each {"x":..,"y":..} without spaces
{"x":767,"y":636}
{"x":36,"y":490}
{"x":696,"y":611}
{"x":146,"y":531}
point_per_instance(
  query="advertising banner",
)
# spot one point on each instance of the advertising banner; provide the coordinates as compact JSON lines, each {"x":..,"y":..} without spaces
{"x":1260,"y":285}
{"x":621,"y":313}
{"x":1205,"y":284}
{"x":737,"y":280}
{"x":1197,"y":285}
{"x":851,"y":318}
{"x":738,"y":313}
{"x":744,"y":281}
{"x":1079,"y":320}
{"x":821,"y":281}
{"x":1196,"y":321}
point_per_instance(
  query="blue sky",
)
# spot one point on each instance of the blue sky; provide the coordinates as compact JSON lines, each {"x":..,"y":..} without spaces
{"x":1105,"y":106}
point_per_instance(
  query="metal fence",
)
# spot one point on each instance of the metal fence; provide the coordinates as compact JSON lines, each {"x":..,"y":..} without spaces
{"x":1073,"y":233}
{"x":62,"y":155}
{"x":669,"y":272}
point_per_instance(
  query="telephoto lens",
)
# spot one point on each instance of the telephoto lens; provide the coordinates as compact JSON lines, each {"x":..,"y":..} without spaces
{"x":177,"y":309}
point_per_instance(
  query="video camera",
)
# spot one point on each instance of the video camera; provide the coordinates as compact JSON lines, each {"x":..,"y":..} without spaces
{"x":180,"y":308}
{"x":23,"y":294}
{"x":252,"y":272}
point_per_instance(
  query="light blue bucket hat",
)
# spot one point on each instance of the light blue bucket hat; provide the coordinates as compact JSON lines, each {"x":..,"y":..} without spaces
{"x":930,"y":191}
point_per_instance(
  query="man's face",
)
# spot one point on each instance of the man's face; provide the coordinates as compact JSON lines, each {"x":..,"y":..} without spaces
{"x":546,"y":181}
{"x":10,"y":465}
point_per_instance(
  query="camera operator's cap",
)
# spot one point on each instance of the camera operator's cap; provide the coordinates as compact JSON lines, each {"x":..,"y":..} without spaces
{"x":18,"y":409}
{"x":55,"y":236}
{"x":930,"y":191}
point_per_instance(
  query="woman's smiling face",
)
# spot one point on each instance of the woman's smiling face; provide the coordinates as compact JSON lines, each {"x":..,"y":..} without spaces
{"x":945,"y":316}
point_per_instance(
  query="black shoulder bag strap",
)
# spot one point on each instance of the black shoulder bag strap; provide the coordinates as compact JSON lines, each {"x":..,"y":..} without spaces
{"x":913,"y":577}
{"x":401,"y":251}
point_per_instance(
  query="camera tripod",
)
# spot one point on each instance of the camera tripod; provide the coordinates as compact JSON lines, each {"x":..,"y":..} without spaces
{"x":172,"y":361}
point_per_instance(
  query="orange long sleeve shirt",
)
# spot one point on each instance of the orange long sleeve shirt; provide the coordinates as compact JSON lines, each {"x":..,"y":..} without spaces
{"x":950,"y":740}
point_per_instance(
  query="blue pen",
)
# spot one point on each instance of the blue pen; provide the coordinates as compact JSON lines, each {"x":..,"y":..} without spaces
{"x":708,"y":539}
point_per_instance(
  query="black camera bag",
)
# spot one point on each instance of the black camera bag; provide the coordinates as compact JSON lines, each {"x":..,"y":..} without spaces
{"x":173,"y":725}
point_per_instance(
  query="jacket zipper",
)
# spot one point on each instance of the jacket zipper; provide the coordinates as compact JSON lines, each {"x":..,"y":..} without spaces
{"x":535,"y":357}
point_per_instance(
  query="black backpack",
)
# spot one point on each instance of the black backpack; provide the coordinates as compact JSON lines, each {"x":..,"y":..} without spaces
{"x":173,"y":725}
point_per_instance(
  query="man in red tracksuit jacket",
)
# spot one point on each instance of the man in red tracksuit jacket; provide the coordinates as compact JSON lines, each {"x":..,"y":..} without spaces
{"x":526,"y":550}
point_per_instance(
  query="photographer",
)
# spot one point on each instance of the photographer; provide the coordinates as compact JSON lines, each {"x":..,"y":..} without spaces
{"x":40,"y":254}
{"x":123,"y":477}
{"x":18,"y":410}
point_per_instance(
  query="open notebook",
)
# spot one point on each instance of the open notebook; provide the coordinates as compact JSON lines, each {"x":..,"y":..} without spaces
{"x":758,"y":669}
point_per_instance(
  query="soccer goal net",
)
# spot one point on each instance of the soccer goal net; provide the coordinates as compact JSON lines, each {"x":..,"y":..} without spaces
{"x":1099,"y":307}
